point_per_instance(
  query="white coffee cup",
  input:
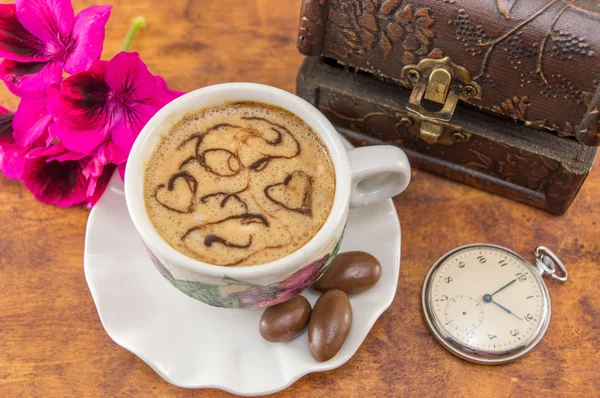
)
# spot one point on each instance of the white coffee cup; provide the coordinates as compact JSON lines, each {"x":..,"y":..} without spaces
{"x":363,"y":176}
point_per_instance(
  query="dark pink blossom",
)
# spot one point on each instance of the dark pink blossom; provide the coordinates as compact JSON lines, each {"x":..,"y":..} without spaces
{"x":58,"y":176}
{"x":68,"y":136}
{"x":111,"y":101}
{"x":53,"y":174}
{"x":55,"y":182}
{"x":40,"y":38}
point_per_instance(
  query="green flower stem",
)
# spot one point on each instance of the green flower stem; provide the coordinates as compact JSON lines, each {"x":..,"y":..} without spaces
{"x":137,"y":24}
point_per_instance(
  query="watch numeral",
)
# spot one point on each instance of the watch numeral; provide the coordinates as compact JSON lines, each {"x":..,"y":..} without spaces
{"x":502,"y":263}
{"x":482,"y":259}
{"x":528,"y":317}
{"x":522,"y":277}
{"x":470,"y":335}
{"x":492,"y":336}
{"x":514,"y":333}
{"x":448,"y":279}
{"x":461,"y":264}
{"x":443,"y":298}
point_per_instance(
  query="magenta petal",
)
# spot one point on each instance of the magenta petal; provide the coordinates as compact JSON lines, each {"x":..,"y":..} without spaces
{"x":25,"y":77}
{"x":83,"y":98}
{"x":58,"y":183}
{"x":126,"y":73}
{"x":31,"y":120}
{"x":126,"y":128}
{"x":54,"y":152}
{"x":49,"y":20}
{"x":16,"y":43}
{"x":12,"y":160}
{"x":110,"y":153}
{"x":42,"y":151}
{"x":87,"y":38}
{"x":67,"y":155}
{"x":167,"y":94}
{"x":107,"y":153}
{"x":122,"y":168}
{"x":100,"y":185}
{"x":52,"y":93}
{"x":81,"y":141}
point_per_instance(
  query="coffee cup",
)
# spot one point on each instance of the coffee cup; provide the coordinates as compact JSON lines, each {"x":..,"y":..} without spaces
{"x":363,"y":176}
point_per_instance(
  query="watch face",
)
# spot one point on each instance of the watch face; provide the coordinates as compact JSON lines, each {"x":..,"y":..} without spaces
{"x":486,"y":302}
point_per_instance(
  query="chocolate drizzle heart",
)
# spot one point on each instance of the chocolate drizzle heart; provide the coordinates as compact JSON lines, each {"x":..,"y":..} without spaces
{"x":192,"y":185}
{"x":305,"y":194}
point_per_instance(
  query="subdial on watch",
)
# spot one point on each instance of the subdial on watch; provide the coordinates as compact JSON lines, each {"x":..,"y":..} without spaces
{"x":463,"y":313}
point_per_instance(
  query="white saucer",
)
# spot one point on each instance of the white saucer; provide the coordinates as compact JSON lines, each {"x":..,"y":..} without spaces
{"x":193,"y":345}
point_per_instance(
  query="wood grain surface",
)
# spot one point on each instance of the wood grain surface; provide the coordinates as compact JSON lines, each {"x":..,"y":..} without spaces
{"x":53,"y":345}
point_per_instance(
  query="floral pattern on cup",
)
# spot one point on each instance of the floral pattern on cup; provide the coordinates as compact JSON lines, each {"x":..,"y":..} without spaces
{"x":248,"y":295}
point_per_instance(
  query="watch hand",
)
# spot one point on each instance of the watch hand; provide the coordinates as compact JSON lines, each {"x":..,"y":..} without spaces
{"x":506,"y":309}
{"x":505,"y":286}
{"x":487,"y":298}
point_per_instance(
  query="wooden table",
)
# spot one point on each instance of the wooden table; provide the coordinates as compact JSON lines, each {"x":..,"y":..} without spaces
{"x":53,"y":345}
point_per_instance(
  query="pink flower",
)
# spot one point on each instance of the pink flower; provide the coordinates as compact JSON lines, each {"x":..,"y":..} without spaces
{"x":53,"y":174}
{"x":54,"y":182}
{"x":68,"y":136}
{"x":38,"y":38}
{"x":58,"y":176}
{"x":111,"y":101}
{"x":11,"y":154}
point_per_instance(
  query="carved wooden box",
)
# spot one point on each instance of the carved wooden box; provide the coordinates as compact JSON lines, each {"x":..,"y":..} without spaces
{"x":526,"y":73}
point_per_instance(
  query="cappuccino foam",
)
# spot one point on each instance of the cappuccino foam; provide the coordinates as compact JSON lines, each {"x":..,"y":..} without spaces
{"x":240,"y":184}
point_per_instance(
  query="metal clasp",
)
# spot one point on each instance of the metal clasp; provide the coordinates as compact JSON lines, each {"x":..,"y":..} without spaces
{"x":547,"y":263}
{"x":438,"y":84}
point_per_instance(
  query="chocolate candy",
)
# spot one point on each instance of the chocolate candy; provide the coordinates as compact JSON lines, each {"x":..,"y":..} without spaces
{"x":329,"y":324}
{"x":284,"y":321}
{"x":350,"y":272}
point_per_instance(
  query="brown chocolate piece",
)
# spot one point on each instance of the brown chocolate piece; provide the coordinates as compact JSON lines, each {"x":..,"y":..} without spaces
{"x":350,"y":272}
{"x":284,"y":321}
{"x":329,"y":324}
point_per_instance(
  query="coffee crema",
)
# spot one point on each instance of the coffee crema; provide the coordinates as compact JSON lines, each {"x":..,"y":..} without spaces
{"x":240,"y":184}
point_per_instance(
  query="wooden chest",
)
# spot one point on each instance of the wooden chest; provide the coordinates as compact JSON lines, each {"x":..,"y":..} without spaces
{"x":524,"y":73}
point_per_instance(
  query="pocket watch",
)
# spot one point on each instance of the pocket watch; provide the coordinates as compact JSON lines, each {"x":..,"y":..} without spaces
{"x":488,"y":305}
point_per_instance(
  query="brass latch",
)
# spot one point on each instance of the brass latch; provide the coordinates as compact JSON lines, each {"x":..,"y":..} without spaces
{"x":438,"y":84}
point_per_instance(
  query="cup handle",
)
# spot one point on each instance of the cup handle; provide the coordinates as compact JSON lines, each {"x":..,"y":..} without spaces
{"x":378,"y":172}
